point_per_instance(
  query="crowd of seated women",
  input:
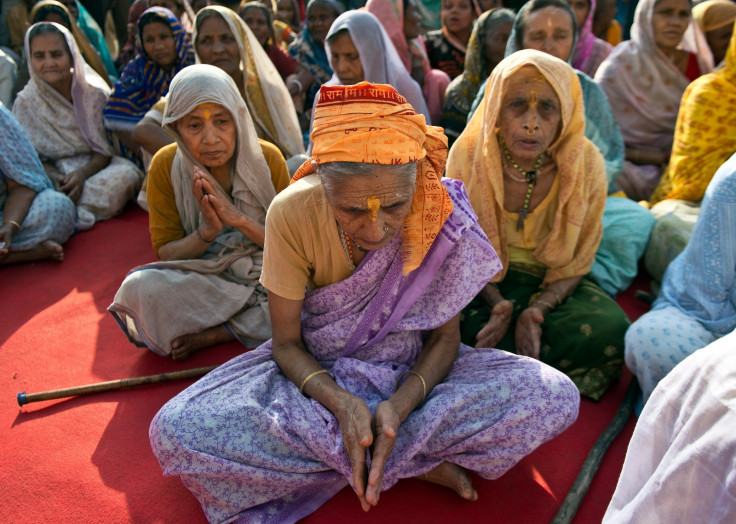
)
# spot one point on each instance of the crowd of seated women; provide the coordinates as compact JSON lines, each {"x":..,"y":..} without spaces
{"x":286,"y":154}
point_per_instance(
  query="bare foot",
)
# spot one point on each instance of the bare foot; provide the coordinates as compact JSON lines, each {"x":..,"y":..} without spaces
{"x":46,"y":250}
{"x":454,"y":477}
{"x":185,"y":346}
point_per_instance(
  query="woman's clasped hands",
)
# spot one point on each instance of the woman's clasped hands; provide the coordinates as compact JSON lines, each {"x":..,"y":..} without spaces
{"x":361,"y":431}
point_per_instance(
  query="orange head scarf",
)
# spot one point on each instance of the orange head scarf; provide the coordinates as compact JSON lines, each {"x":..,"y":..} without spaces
{"x":374,"y":124}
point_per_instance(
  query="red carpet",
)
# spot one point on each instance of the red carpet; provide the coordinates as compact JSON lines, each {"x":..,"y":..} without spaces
{"x":87,"y":459}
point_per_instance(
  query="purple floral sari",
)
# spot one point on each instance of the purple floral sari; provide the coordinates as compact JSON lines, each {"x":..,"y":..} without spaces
{"x":252,"y":449}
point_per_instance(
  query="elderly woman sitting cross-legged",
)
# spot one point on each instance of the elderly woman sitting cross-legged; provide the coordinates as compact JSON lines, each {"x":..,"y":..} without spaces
{"x":368,"y":263}
{"x":539,"y":187}
{"x":207,"y":194}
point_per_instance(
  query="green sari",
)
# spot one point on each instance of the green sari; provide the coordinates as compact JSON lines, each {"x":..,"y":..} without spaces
{"x":583,"y":337}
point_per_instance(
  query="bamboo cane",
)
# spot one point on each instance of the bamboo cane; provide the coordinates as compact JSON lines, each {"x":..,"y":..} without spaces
{"x":112,"y":385}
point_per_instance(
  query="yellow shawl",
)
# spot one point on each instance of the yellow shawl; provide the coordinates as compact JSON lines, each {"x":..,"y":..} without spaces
{"x":705,"y":135}
{"x":373,"y":123}
{"x":569,"y":249}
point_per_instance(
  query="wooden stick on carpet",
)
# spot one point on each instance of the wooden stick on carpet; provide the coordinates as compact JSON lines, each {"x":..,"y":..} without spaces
{"x":577,"y":493}
{"x":113,"y":385}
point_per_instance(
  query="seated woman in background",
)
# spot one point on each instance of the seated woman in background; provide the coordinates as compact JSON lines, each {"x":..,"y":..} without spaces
{"x":400,"y":20}
{"x":644,"y":79}
{"x":605,"y":25}
{"x":52,"y":11}
{"x":222,"y":39}
{"x":716,"y":19}
{"x":34,"y":218}
{"x":589,"y":50}
{"x":207,"y":198}
{"x":486,"y":49}
{"x":539,"y":188}
{"x":309,"y":47}
{"x":61,"y":111}
{"x":128,"y":48}
{"x":369,"y":258}
{"x":705,"y":137}
{"x":697,"y":302}
{"x":258,"y":18}
{"x":446,"y":47}
{"x":360,"y":50}
{"x":163,"y":49}
{"x":290,"y":13}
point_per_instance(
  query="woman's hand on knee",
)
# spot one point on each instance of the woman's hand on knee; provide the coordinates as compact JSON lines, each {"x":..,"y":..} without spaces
{"x":528,"y":335}
{"x":493,"y":332}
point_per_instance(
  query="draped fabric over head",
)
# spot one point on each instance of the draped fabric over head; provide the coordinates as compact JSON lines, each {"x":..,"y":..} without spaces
{"x":569,"y":249}
{"x":374,"y":124}
{"x":266,"y":96}
{"x":714,"y":14}
{"x":463,"y":89}
{"x":89,"y":53}
{"x":391,"y":15}
{"x":601,"y":126}
{"x":380,"y":60}
{"x":705,"y":136}
{"x":589,"y":51}
{"x":143,"y":82}
{"x":643,"y":86}
{"x":59,"y":128}
{"x":252,"y":190}
{"x":308,"y":52}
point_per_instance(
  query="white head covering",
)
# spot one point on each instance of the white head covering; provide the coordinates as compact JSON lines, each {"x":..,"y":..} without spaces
{"x":252,"y":189}
{"x":264,"y":88}
{"x":643,"y":86}
{"x":380,"y":60}
{"x":56,"y":127}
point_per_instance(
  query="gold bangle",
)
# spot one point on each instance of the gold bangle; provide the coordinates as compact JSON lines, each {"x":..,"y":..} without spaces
{"x":556,"y":294}
{"x":424,"y":384}
{"x":16,"y":224}
{"x":544,"y":303}
{"x":311,"y":376}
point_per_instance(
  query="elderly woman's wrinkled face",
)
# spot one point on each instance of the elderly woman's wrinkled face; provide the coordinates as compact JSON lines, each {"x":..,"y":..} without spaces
{"x":217,"y":46}
{"x":370,"y":209}
{"x":158,"y":43}
{"x":345,"y":59}
{"x":669,"y":22}
{"x":530,"y":115}
{"x":495,"y":43}
{"x":209,"y":133}
{"x":256,"y":19}
{"x":549,"y":30}
{"x":319,"y":20}
{"x":50,"y":59}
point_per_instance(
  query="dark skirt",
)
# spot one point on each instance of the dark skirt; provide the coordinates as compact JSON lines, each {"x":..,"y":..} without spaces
{"x":583,"y":337}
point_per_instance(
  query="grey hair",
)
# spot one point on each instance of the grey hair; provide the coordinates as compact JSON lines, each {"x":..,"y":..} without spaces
{"x":335,"y":173}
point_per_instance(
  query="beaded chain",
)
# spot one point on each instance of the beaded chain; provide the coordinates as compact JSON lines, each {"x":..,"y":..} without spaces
{"x":530,"y":177}
{"x":347,"y":246}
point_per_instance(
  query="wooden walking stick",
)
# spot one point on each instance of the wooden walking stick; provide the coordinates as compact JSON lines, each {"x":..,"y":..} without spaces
{"x":113,"y":385}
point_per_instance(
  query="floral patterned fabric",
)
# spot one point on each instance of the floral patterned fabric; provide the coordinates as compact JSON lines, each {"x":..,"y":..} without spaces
{"x":251,"y":448}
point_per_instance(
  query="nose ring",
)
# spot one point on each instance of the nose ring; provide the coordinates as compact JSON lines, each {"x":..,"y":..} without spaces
{"x":385,"y":228}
